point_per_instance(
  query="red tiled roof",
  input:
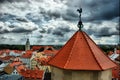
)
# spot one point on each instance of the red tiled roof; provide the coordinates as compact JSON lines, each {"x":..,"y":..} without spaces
{"x":81,"y":53}
{"x":16,"y":51}
{"x":28,"y":54}
{"x":116,"y":72}
{"x":33,"y":74}
{"x":110,"y":53}
{"x":6,"y":58}
{"x":45,"y":48}
{"x":50,"y":52}
{"x":15,"y":63}
{"x":118,"y":51}
{"x":36,"y":48}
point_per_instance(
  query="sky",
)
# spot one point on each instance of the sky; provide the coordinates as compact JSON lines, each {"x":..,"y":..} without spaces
{"x":53,"y":22}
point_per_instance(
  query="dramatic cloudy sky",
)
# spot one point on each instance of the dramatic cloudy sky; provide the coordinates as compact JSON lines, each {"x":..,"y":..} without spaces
{"x":55,"y":21}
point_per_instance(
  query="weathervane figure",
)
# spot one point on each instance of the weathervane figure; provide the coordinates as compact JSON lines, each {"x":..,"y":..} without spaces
{"x":80,"y":25}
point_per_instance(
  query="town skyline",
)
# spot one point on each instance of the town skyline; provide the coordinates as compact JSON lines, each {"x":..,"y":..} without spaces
{"x":54,"y":22}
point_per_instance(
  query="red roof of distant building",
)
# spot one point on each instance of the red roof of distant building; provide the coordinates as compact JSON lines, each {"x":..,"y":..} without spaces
{"x":13,"y":64}
{"x":118,"y":51}
{"x":33,"y":74}
{"x":36,"y":48}
{"x":81,"y":53}
{"x":116,"y":72}
{"x":45,"y":48}
{"x":50,"y":52}
{"x":6,"y":58}
{"x":28,"y":54}
{"x":16,"y":51}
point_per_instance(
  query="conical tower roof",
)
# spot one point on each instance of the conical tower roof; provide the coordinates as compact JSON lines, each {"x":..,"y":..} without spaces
{"x":81,"y":53}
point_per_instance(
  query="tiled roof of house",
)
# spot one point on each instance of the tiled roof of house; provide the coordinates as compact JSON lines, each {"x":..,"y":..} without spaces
{"x":6,"y":58}
{"x":28,"y":54}
{"x":118,"y":51}
{"x":50,"y":52}
{"x":36,"y":48}
{"x":39,"y":47}
{"x":33,"y":74}
{"x":81,"y":53}
{"x":116,"y":72}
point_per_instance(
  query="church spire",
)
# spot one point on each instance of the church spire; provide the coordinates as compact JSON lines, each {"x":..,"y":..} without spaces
{"x":80,"y":25}
{"x":27,"y":46}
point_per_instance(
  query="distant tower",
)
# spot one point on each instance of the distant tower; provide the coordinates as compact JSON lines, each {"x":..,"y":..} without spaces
{"x":27,"y":45}
{"x":81,"y":59}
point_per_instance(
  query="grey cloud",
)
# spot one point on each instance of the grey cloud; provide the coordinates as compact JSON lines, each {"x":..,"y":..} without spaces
{"x":22,"y":19}
{"x":58,"y":33}
{"x":42,"y":31}
{"x":11,"y":26}
{"x":102,"y":32}
{"x":61,"y":31}
{"x":22,"y":30}
{"x":3,"y":1}
{"x":4,"y":31}
{"x":6,"y":17}
{"x":96,"y":10}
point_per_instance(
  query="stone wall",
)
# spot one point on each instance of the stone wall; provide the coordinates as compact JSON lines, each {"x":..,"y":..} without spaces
{"x":60,"y":74}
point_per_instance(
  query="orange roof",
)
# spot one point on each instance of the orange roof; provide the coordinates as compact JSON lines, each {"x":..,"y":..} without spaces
{"x":15,"y":63}
{"x":28,"y":54}
{"x":36,"y":47}
{"x":116,"y":72}
{"x":81,"y":53}
{"x":6,"y":58}
{"x":48,"y":52}
{"x":118,"y":51}
{"x":45,"y":48}
{"x":33,"y":74}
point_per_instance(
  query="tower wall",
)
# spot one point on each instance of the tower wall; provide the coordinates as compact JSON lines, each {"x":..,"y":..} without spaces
{"x":60,"y":74}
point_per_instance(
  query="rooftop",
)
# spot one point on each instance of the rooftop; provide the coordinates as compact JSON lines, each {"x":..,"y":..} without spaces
{"x":81,"y":53}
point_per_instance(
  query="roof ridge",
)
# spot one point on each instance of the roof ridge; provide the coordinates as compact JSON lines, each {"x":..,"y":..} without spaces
{"x":70,"y":51}
{"x":101,"y":51}
{"x":91,"y":49}
{"x":60,"y":50}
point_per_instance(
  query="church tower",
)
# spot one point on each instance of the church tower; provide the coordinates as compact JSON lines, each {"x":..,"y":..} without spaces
{"x":27,"y":45}
{"x":81,"y":59}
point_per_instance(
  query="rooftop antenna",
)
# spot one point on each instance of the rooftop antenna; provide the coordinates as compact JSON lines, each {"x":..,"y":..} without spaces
{"x":80,"y":25}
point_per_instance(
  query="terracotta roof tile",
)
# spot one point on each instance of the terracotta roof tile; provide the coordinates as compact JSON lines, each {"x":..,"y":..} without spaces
{"x":116,"y":72}
{"x":33,"y":74}
{"x":28,"y":54}
{"x":81,"y":53}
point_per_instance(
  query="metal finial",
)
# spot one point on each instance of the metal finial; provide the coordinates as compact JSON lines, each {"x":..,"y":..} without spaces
{"x":80,"y":25}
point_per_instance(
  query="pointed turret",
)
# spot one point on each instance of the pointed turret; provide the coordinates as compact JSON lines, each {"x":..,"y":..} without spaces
{"x":81,"y":59}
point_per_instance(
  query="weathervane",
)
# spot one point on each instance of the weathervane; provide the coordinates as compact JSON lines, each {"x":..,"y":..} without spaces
{"x":80,"y":25}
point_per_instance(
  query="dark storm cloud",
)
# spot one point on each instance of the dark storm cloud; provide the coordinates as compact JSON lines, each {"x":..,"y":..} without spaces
{"x":6,"y":17}
{"x":103,"y":9}
{"x":70,"y":15}
{"x":58,"y":33}
{"x":4,"y":31}
{"x":42,"y":31}
{"x":95,"y":9}
{"x":61,"y":31}
{"x":22,"y":30}
{"x":22,"y":19}
{"x":105,"y":33}
{"x":102,"y":32}
{"x":11,"y":26}
{"x":53,"y":14}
